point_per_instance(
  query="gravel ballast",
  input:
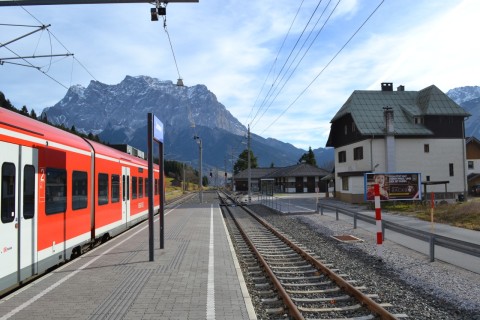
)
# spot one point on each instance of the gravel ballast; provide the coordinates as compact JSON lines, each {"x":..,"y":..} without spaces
{"x":402,"y":277}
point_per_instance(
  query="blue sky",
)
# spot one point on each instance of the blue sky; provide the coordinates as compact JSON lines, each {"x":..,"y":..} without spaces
{"x":230,"y":46}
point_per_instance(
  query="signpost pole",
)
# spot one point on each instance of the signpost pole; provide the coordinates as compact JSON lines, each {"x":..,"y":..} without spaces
{"x":162,"y":198}
{"x":378,"y":218}
{"x":155,"y":132}
{"x":432,"y":210}
{"x":150,"y":187}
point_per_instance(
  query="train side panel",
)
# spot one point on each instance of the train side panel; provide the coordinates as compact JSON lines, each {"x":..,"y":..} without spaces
{"x":37,"y":228}
{"x":60,"y":192}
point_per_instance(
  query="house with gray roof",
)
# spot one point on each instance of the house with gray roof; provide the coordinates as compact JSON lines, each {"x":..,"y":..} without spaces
{"x":473,"y":163}
{"x":297,"y":178}
{"x":399,"y":131}
{"x":241,"y":178}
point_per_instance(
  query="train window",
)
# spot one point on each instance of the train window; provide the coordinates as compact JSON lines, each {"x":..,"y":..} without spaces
{"x":115,"y":188}
{"x":56,"y":191}
{"x":146,"y":187}
{"x":134,"y":187}
{"x":156,"y":186}
{"x":102,"y":188}
{"x":79,"y":190}
{"x":28,"y":192}
{"x":8,"y":192}
{"x":140,"y":187}
{"x":128,"y":187}
{"x":123,"y":188}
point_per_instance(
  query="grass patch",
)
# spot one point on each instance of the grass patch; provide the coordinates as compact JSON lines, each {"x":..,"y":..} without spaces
{"x":460,"y":214}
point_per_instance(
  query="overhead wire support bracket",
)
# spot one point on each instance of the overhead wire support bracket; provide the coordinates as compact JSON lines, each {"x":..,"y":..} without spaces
{"x":39,"y":56}
{"x":40,"y":28}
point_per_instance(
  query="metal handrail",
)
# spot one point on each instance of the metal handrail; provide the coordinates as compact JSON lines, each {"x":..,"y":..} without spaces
{"x":432,"y":238}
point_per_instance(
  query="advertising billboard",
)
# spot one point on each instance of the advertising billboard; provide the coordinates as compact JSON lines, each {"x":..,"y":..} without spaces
{"x":393,"y":186}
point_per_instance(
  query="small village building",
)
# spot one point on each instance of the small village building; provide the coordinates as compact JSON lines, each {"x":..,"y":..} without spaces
{"x":297,"y":178}
{"x":399,"y":131}
{"x":473,"y":163}
{"x":241,"y":179}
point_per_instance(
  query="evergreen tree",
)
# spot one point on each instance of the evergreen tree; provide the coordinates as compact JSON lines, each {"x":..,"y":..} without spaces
{"x":5,"y":103}
{"x":33,"y":114}
{"x":205,"y":181}
{"x":308,"y":158}
{"x":24,"y":111}
{"x":242,"y":162}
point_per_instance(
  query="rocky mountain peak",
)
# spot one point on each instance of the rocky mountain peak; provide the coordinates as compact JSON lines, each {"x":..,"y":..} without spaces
{"x":125,"y":105}
{"x":463,"y":94}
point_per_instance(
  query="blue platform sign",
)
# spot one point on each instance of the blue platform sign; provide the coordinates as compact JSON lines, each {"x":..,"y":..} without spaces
{"x":157,"y":129}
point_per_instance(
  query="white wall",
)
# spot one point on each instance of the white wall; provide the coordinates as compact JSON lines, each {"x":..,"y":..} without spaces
{"x":410,"y":157}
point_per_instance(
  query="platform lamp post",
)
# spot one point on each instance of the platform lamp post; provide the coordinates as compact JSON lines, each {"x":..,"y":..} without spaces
{"x":200,"y":185}
{"x":183,"y":177}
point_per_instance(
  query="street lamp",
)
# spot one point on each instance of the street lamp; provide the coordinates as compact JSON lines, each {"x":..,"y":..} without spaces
{"x":183,"y":177}
{"x":199,"y":141}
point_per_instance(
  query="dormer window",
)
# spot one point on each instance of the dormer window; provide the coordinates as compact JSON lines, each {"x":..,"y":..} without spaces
{"x":418,"y":120}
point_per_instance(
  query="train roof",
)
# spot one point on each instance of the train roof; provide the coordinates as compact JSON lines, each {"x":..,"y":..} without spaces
{"x":36,"y":132}
{"x":117,"y":154}
{"x":30,"y":131}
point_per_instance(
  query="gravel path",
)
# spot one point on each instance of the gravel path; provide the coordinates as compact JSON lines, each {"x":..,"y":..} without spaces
{"x":407,"y":279}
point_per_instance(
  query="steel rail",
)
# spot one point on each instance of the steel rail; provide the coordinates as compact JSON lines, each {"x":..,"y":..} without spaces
{"x":365,"y":300}
{"x":291,"y":306}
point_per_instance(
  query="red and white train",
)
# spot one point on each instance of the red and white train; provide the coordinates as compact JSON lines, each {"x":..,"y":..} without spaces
{"x":60,"y":193}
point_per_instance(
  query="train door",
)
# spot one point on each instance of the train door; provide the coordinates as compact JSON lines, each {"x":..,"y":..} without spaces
{"x":125,"y":194}
{"x":28,"y":208}
{"x":18,"y":167}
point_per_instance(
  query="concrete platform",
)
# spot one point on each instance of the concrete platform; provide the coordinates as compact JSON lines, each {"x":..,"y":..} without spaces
{"x":196,"y":276}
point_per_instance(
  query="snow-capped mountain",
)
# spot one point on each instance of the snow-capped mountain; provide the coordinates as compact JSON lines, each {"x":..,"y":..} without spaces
{"x":126,"y":104}
{"x":118,"y":114}
{"x":469,"y":99}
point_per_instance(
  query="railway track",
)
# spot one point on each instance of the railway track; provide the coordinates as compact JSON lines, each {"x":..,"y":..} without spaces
{"x":290,"y":281}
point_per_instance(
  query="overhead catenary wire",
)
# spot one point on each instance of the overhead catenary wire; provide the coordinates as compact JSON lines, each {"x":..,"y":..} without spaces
{"x":171,"y":46}
{"x":325,"y":67}
{"x":51,"y":35}
{"x":285,"y":63}
{"x":275,"y":60}
{"x":279,"y":89}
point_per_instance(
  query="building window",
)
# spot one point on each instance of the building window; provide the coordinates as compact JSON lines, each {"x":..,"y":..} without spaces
{"x":428,"y":178}
{"x":102,"y":188}
{"x":418,"y":120}
{"x":342,"y":156}
{"x":354,"y":128}
{"x":346,"y":129}
{"x":470,"y":165}
{"x":450,"y":169}
{"x":345,"y":183}
{"x":426,"y":148}
{"x":79,"y":190}
{"x":358,"y":153}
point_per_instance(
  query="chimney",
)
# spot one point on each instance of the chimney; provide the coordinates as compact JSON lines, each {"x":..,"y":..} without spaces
{"x":390,"y":156}
{"x":387,"y":86}
{"x":401,"y":88}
